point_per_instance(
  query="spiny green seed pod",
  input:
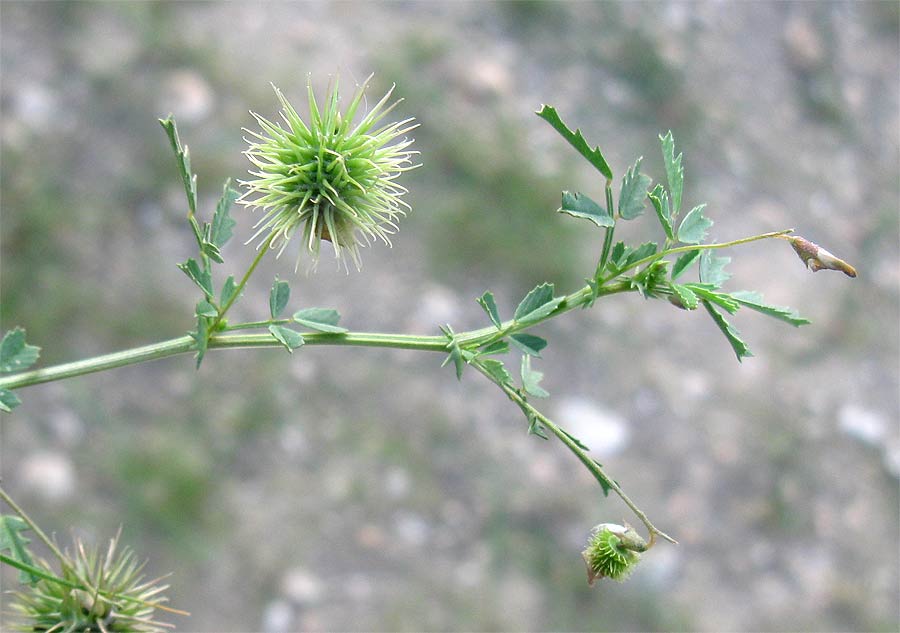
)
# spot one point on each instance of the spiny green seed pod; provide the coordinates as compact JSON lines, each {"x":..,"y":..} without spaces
{"x":329,"y":179}
{"x":612,"y":551}
{"x":118,"y":598}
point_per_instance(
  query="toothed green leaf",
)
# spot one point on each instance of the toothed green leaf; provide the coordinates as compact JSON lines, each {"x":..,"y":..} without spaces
{"x":8,"y":400}
{"x":531,"y":379}
{"x":199,"y":276}
{"x":734,"y":337}
{"x":497,"y":370}
{"x":321,"y":319}
{"x":674,"y":172}
{"x":685,"y":296}
{"x":754,"y":301}
{"x":594,"y":156}
{"x":712,"y":269}
{"x":287,"y":337}
{"x":15,"y":353}
{"x":695,"y":226}
{"x":633,"y":192}
{"x":684,"y":262}
{"x":486,"y":301}
{"x":660,"y":200}
{"x":537,"y":304}
{"x":581,"y":206}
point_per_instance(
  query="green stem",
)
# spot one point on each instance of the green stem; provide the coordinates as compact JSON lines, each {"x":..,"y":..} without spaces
{"x":63,"y":560}
{"x":261,"y":252}
{"x":703,"y":247}
{"x":610,"y":232}
{"x":595,"y":469}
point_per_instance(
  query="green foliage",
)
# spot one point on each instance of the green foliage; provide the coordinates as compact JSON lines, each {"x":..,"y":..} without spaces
{"x":754,"y":301}
{"x":531,"y":379}
{"x":578,"y":205}
{"x":674,"y":172}
{"x":497,"y":370}
{"x":278,"y":297}
{"x":15,"y":353}
{"x":593,"y":156}
{"x":684,"y":262}
{"x":12,"y":540}
{"x":486,"y":301}
{"x":734,"y":337}
{"x":695,"y":226}
{"x":528,"y":343}
{"x":712,"y":269}
{"x":199,"y":275}
{"x":633,"y":192}
{"x":291,"y":339}
{"x":319,"y":319}
{"x":537,"y":304}
{"x":660,"y":199}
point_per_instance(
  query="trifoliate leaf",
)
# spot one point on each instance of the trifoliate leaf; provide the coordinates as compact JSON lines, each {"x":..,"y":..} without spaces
{"x":15,"y":353}
{"x":754,"y":301}
{"x":734,"y":337}
{"x":12,"y":540}
{"x":686,"y":297}
{"x":228,"y":289}
{"x":486,"y":301}
{"x":223,"y":223}
{"x":674,"y":172}
{"x":594,"y":156}
{"x":535,"y":427}
{"x":528,"y":343}
{"x":497,"y":370}
{"x":633,"y":192}
{"x":287,"y":337}
{"x":706,"y":292}
{"x":199,"y":276}
{"x":537,"y":304}
{"x":531,"y":379}
{"x":278,"y":297}
{"x":660,"y":200}
{"x":321,"y":319}
{"x":712,"y":269}
{"x":8,"y":400}
{"x":206,"y":309}
{"x":497,"y":347}
{"x":579,"y":205}
{"x":683,"y":263}
{"x":695,"y":226}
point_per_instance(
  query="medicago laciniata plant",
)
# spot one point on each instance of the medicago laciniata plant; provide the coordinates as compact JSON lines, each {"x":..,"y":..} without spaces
{"x":333,"y":177}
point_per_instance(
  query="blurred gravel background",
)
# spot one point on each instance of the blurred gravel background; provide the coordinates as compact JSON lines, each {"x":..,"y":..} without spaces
{"x":353,"y":489}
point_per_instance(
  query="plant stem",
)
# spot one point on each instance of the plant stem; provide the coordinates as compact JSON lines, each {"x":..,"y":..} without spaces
{"x":63,"y":560}
{"x":595,"y":468}
{"x":261,"y":252}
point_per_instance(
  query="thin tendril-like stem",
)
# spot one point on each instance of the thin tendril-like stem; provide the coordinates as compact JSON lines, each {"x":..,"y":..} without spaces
{"x":595,"y":468}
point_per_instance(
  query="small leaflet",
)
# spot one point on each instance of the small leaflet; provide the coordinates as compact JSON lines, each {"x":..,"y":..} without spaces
{"x":684,"y":262}
{"x":228,"y":289}
{"x":695,"y":226}
{"x":581,"y":206}
{"x":223,"y":223}
{"x":15,"y":353}
{"x":537,"y":304}
{"x":674,"y":172}
{"x":183,"y":160}
{"x":531,"y":379}
{"x":734,"y":337}
{"x":594,"y":156}
{"x":278,"y":297}
{"x":724,"y":301}
{"x":497,"y":347}
{"x":644,"y":250}
{"x":686,"y":297}
{"x":455,"y":354}
{"x":660,"y":200}
{"x":754,"y":301}
{"x":712,"y":269}
{"x":528,"y":343}
{"x":633,"y":192}
{"x":202,"y":278}
{"x":13,"y":541}
{"x":287,"y":337}
{"x":497,"y":370}
{"x":201,"y":337}
{"x":206,"y":309}
{"x":486,"y":301}
{"x":8,"y":400}
{"x":320,"y":319}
